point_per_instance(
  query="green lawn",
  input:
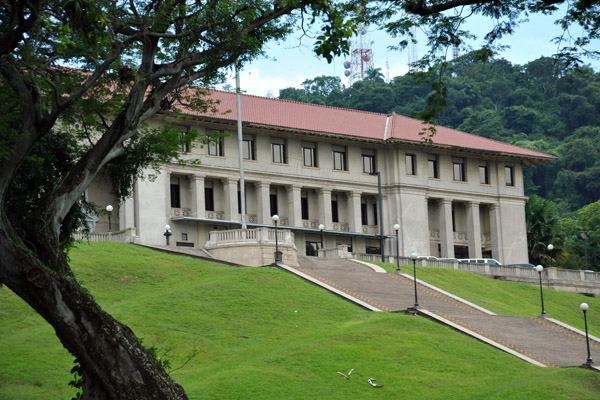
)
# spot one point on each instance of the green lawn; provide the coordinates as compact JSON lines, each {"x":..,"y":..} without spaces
{"x":262,"y":333}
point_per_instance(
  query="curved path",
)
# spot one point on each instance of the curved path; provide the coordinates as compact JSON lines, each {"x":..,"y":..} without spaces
{"x":541,"y":341}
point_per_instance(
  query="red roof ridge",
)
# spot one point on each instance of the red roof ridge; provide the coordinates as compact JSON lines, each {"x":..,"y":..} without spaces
{"x":473,"y":135}
{"x":301,"y":102}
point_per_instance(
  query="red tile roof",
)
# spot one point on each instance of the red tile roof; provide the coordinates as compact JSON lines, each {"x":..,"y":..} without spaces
{"x":344,"y":122}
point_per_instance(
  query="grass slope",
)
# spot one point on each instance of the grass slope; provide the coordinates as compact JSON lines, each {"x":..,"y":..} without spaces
{"x":262,"y":333}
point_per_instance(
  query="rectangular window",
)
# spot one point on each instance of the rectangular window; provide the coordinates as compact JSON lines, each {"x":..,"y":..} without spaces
{"x":278,"y":150}
{"x":411,"y":168}
{"x":239,"y":200}
{"x":183,"y":147}
{"x":309,"y":154}
{"x":375,"y":214}
{"x":368,"y":161}
{"x":509,"y":175}
{"x":304,"y":204}
{"x":363,"y":212}
{"x":215,"y":148}
{"x":334,"y":208}
{"x":209,"y":200}
{"x":458,"y":169}
{"x":175,"y":196}
{"x":484,"y":176}
{"x":432,"y":165}
{"x":339,"y":158}
{"x":273,"y":201}
{"x":453,"y":221}
{"x":248,"y":147}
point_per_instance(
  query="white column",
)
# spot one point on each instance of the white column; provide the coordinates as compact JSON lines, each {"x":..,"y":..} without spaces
{"x":495,"y":233}
{"x":446,"y":232}
{"x":197,"y":195}
{"x":355,"y":212}
{"x":230,"y":190}
{"x":325,"y":208}
{"x":473,"y":230}
{"x":168,"y":196}
{"x":263,"y":204}
{"x":294,"y":205}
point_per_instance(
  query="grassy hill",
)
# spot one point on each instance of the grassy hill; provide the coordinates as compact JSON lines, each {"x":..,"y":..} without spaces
{"x":262,"y":333}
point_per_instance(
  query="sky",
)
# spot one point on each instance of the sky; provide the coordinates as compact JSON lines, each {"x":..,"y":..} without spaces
{"x":290,"y":62}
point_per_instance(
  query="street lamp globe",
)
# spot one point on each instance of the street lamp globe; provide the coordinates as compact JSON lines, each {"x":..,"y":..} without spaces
{"x":414,"y":255}
{"x":321,"y":227}
{"x":275,"y":218}
{"x":109,"y":208}
{"x":396,"y":227}
{"x":550,"y":247}
{"x":539,"y":268}
{"x":584,"y":306}
{"x":167,"y":228}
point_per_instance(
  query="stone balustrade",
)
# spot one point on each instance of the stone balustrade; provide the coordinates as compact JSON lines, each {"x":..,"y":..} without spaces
{"x":122,"y":236}
{"x":566,"y":280}
{"x":253,"y":247}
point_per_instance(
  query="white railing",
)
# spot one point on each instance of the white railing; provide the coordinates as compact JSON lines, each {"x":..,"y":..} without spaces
{"x":123,"y":236}
{"x":341,"y":226}
{"x":340,"y":251}
{"x":306,"y":223}
{"x":370,"y":229}
{"x":250,"y":235}
{"x":461,"y":237}
{"x":181,"y":212}
{"x":584,"y":280}
{"x":214,"y":214}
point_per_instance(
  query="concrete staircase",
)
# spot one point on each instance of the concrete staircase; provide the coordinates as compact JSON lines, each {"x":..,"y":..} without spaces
{"x":541,"y":341}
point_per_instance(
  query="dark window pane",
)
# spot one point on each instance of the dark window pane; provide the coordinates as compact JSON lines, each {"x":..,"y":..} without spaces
{"x":175,"y":198}
{"x":209,"y":203}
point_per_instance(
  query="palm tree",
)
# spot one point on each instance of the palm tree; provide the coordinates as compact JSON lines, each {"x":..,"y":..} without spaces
{"x":542,"y":228}
{"x":374,"y":74}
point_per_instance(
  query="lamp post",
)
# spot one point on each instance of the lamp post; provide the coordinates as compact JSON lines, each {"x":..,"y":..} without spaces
{"x":539,"y":269}
{"x":109,"y":209}
{"x":275,"y":219}
{"x":167,"y":233}
{"x":550,"y":248}
{"x":321,"y":227}
{"x":584,"y":307}
{"x":414,"y":260}
{"x":397,"y":228}
{"x":380,"y":215}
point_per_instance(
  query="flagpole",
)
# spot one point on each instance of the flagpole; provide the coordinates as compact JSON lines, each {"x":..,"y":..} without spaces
{"x":240,"y":144}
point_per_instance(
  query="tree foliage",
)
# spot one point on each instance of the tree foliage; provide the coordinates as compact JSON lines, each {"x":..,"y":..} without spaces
{"x":542,"y":229}
{"x":79,"y":80}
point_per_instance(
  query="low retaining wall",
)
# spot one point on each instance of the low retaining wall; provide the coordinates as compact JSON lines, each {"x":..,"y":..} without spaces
{"x":565,"y":280}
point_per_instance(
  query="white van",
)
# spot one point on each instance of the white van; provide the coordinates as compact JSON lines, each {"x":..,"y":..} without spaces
{"x":490,"y":261}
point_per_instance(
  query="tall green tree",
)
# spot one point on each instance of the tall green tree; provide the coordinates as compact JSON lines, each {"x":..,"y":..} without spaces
{"x":101,"y":69}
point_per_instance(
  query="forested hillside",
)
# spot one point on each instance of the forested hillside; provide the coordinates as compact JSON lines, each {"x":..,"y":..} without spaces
{"x":542,"y":105}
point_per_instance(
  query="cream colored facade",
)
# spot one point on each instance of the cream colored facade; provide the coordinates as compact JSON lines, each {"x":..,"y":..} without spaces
{"x":449,"y":202}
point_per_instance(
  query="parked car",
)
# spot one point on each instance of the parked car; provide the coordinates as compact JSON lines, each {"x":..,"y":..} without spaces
{"x":490,"y":261}
{"x":521,"y":265}
{"x":427,"y":258}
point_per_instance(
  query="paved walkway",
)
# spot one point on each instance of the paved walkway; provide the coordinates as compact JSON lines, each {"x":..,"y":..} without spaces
{"x":541,"y":341}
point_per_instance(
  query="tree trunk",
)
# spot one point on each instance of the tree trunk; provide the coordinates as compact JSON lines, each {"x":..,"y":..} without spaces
{"x":115,"y":365}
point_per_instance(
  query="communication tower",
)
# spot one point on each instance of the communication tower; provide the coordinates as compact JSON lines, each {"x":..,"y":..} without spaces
{"x":361,"y":56}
